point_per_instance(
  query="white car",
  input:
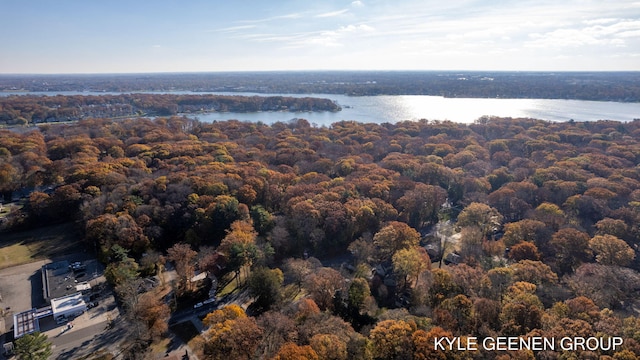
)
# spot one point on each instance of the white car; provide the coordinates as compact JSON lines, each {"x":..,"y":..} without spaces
{"x":209,"y":300}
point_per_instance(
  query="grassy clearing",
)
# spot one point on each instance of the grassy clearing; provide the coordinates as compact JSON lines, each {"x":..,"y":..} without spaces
{"x":159,"y":348}
{"x":232,"y":282}
{"x":46,"y":242}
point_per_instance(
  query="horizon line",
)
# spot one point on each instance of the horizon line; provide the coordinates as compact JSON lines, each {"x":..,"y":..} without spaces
{"x":310,"y":71}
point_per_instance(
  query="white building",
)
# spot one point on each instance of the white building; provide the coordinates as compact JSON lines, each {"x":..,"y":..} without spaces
{"x":68,"y":306}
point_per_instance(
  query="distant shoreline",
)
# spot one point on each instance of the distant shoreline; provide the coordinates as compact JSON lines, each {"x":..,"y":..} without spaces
{"x":592,"y":86}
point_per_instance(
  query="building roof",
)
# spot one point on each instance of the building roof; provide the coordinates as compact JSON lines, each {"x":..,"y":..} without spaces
{"x":58,"y":280}
{"x":25,"y":323}
{"x":68,"y":303}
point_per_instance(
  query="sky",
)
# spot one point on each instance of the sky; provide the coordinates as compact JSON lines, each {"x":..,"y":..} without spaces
{"x":135,"y":36}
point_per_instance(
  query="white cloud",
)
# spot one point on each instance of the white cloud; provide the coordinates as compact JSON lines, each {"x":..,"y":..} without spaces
{"x":357,"y":3}
{"x":328,"y":38}
{"x":235,"y":28}
{"x":600,"y":21}
{"x":269,"y":19}
{"x":332,"y":13}
{"x":360,"y":27}
{"x":613,"y":34}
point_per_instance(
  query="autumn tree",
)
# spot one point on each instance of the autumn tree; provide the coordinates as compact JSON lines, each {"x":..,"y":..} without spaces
{"x":393,"y":237}
{"x":583,"y":308}
{"x":183,"y":257}
{"x":480,"y":215}
{"x":525,"y":230}
{"x":522,"y":310}
{"x":524,"y":251}
{"x":410,"y":263}
{"x":220,"y":214}
{"x":236,"y":339}
{"x":228,"y":312}
{"x":615,"y":227}
{"x":322,"y":286}
{"x":292,"y":351}
{"x":550,"y":214}
{"x":420,"y":206}
{"x":423,"y":342}
{"x":362,"y":249}
{"x":610,"y":250}
{"x":329,"y":346}
{"x":442,"y":287}
{"x":499,"y":279}
{"x":230,"y":334}
{"x":571,"y":248}
{"x":153,"y":313}
{"x":107,"y":230}
{"x":460,"y":310}
{"x":153,"y":262}
{"x":608,"y":286}
{"x":277,"y":329}
{"x":535,"y":272}
{"x":239,"y":245}
{"x":296,"y":270}
{"x":393,"y":339}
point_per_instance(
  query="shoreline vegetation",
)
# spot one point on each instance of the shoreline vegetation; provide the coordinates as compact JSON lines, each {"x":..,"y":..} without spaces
{"x":594,"y":86}
{"x":33,"y":109}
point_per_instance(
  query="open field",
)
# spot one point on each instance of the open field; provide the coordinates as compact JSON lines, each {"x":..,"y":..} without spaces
{"x":46,"y":242}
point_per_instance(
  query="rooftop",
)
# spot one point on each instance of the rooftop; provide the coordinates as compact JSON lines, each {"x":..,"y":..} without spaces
{"x":69,"y":302}
{"x":60,"y":280}
{"x":25,"y":323}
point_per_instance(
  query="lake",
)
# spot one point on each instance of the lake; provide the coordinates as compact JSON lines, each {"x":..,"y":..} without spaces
{"x":394,"y":108}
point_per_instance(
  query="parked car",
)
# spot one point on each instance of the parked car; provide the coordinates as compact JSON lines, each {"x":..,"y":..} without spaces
{"x":209,"y":300}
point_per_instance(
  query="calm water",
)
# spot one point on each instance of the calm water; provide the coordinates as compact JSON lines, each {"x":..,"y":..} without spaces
{"x":380,"y":109}
{"x":394,"y":108}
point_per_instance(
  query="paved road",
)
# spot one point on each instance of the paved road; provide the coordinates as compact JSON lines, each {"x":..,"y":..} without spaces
{"x":73,"y":338}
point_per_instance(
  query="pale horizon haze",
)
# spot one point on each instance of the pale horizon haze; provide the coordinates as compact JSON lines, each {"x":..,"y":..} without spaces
{"x":70,"y":36}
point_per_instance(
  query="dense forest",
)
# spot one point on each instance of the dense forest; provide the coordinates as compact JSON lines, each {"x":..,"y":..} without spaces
{"x":22,"y":110}
{"x":354,"y":241}
{"x":598,"y":86}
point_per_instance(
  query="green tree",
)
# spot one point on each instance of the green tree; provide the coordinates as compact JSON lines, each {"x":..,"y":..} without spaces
{"x":122,"y":268}
{"x":33,"y":346}
{"x":359,"y":291}
{"x":265,"y":285}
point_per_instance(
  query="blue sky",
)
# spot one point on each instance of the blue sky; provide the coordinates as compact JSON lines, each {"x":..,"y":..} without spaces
{"x":73,"y":36}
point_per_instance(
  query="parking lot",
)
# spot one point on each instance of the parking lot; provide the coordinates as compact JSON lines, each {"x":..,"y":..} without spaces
{"x":21,"y":289}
